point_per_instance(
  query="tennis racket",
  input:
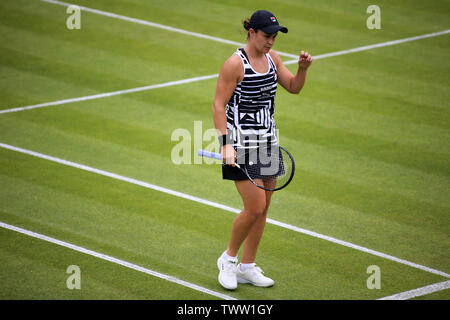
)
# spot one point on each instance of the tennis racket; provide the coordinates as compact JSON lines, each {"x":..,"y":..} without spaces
{"x":269,"y":168}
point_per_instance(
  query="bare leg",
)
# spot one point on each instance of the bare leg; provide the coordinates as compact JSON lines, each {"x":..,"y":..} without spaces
{"x":248,"y":226}
{"x":254,"y":200}
{"x":251,"y":243}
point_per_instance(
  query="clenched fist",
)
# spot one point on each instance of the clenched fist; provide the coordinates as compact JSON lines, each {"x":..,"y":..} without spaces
{"x":305,"y":60}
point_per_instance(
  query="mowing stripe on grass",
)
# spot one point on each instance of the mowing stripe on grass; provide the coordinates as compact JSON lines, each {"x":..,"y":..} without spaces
{"x":221,"y":206}
{"x":217,"y":39}
{"x":158,"y":25}
{"x":115,"y":260}
{"x":419,"y":291}
{"x":212,"y":76}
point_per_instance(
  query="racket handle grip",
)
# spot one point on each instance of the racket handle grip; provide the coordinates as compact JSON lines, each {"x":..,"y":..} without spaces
{"x":209,"y":154}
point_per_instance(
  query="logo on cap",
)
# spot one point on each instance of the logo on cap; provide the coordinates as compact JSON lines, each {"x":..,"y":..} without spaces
{"x":273,"y":19}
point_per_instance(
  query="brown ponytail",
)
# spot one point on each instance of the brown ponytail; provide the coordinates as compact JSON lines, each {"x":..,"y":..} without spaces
{"x":246,"y":24}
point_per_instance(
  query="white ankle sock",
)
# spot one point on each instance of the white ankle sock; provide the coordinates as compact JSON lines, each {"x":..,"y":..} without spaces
{"x":226,"y":256}
{"x":245,"y":266}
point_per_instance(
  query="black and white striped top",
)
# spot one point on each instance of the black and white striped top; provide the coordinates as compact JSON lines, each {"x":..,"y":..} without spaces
{"x":252,"y":105}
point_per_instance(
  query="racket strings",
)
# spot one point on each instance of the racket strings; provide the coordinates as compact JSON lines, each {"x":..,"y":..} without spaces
{"x":271,"y":168}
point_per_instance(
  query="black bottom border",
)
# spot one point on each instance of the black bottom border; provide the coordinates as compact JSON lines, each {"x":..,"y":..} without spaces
{"x":206,"y":309}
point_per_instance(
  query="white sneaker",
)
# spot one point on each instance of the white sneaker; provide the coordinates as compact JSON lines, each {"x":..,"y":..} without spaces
{"x":254,"y":276}
{"x":227,"y":274}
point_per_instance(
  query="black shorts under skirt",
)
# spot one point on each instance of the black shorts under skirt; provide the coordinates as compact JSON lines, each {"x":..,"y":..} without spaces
{"x":233,"y":173}
{"x":256,"y":170}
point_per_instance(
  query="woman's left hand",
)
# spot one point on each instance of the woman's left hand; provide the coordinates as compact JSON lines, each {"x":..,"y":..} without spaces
{"x":305,"y":60}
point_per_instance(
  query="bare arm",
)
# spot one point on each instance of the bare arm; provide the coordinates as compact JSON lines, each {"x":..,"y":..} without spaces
{"x":230,"y":75}
{"x":292,"y":83}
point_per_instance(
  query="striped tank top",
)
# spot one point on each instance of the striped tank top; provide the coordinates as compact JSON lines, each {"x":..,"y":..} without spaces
{"x":251,"y":107}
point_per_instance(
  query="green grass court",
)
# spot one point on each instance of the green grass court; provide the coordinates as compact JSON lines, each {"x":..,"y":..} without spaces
{"x":370,"y":133}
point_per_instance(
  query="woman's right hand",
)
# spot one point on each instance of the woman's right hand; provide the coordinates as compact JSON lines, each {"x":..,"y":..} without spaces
{"x":229,"y":155}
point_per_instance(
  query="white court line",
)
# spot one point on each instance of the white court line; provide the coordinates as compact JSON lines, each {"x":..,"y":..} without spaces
{"x":160,"y":26}
{"x":221,"y":206}
{"x":110,"y":94}
{"x":374,"y":46}
{"x":195,"y":79}
{"x":419,"y":291}
{"x":117,"y":261}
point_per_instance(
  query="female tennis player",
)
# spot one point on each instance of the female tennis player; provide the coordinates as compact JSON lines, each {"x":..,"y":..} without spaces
{"x":243,"y":110}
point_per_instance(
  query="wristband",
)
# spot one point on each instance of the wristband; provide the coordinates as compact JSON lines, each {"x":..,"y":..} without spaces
{"x":224,"y":140}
